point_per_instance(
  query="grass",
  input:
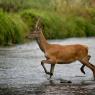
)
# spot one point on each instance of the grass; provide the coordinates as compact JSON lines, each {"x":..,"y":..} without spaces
{"x":18,"y":5}
{"x":51,"y":21}
{"x":60,"y":18}
{"x":12,"y":29}
{"x":60,"y":26}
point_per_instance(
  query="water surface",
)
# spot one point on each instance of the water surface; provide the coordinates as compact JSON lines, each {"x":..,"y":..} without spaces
{"x":21,"y":71}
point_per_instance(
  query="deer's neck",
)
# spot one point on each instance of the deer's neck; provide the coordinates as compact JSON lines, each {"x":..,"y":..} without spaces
{"x":42,"y":42}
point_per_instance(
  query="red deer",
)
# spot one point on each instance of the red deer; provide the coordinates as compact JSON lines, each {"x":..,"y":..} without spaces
{"x":61,"y":54}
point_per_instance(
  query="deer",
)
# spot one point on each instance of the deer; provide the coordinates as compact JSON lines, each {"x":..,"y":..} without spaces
{"x":60,"y":54}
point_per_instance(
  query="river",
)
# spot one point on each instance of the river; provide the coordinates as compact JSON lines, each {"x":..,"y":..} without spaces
{"x":21,"y":72}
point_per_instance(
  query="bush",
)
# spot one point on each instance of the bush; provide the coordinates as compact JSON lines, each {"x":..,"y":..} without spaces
{"x":12,"y":29}
{"x":60,"y":18}
{"x":58,"y":27}
{"x":53,"y":24}
{"x":18,"y":5}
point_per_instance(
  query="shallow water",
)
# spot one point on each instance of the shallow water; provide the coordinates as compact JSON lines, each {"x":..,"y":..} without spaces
{"x":21,"y":72}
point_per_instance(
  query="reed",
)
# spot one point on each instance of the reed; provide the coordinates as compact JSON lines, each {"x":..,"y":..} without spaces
{"x":12,"y":29}
{"x":61,"y":26}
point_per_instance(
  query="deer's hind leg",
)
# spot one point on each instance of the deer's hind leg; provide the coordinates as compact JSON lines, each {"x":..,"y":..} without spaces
{"x":86,"y":62}
{"x":82,"y":67}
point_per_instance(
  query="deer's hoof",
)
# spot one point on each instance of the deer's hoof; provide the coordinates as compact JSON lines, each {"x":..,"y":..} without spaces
{"x":48,"y":73}
{"x":51,"y":74}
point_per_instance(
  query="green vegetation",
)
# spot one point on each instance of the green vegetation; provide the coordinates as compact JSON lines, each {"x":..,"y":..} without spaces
{"x":12,"y":29}
{"x":51,"y":21}
{"x":60,"y":18}
{"x":58,"y":27}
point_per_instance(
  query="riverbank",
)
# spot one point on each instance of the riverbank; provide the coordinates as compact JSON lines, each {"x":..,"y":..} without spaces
{"x":49,"y":88}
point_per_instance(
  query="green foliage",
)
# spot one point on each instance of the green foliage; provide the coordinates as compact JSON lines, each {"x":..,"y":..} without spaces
{"x":12,"y":29}
{"x":60,"y":18}
{"x":29,"y":18}
{"x":58,"y":27}
{"x":55,"y":5}
{"x":18,"y":5}
{"x":52,"y":23}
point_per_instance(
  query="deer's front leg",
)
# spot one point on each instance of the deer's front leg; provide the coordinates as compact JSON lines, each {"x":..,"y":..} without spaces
{"x":42,"y":63}
{"x":52,"y":66}
{"x":52,"y":70}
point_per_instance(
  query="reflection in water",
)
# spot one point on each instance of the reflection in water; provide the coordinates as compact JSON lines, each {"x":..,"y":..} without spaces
{"x":20,"y":67}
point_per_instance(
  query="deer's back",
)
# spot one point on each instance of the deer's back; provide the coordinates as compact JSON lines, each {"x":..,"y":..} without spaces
{"x":66,"y":53}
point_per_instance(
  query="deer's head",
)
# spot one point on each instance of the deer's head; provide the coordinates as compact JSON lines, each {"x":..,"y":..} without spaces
{"x":37,"y":30}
